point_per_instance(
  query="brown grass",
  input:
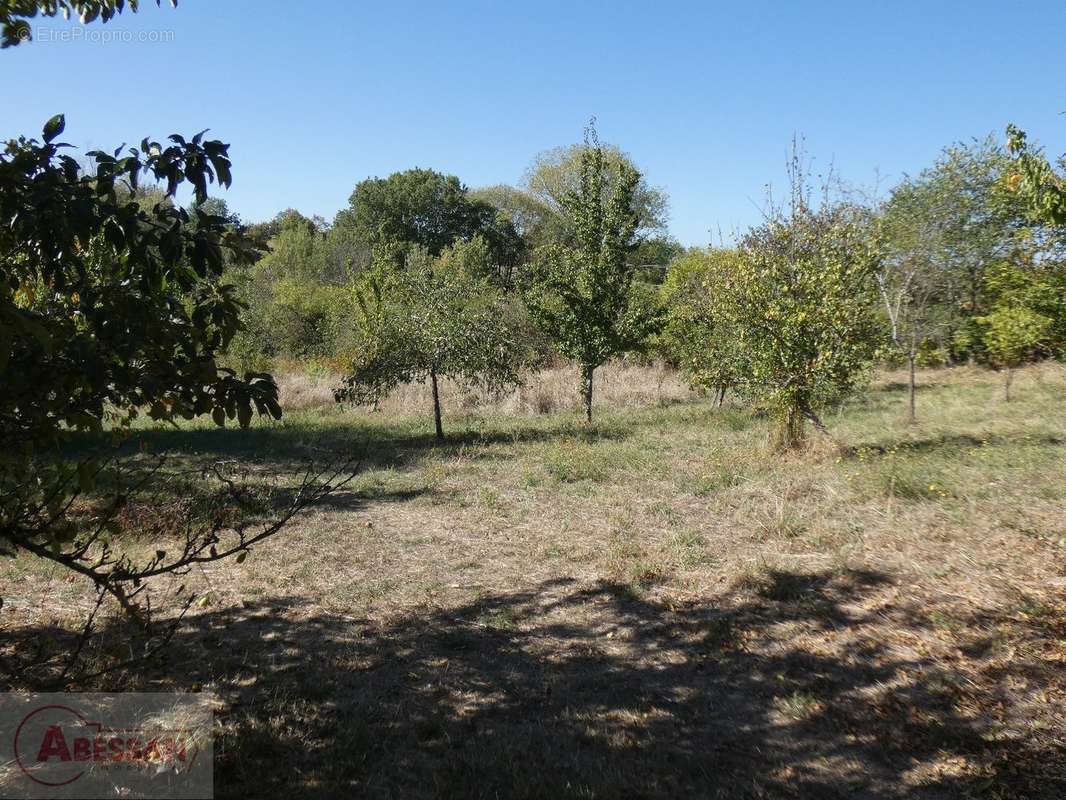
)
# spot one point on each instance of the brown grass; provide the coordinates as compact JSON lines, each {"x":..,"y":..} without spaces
{"x":654,"y":607}
{"x":544,"y":392}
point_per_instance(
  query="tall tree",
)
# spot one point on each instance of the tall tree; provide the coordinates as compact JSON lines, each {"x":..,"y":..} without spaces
{"x":961,"y":204}
{"x":582,"y":295}
{"x":556,"y":174}
{"x":421,"y":207}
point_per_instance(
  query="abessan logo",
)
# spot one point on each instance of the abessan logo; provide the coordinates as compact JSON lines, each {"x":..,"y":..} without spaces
{"x":149,"y":744}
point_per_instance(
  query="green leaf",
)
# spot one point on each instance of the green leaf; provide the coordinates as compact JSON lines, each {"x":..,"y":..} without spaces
{"x":54,"y":127}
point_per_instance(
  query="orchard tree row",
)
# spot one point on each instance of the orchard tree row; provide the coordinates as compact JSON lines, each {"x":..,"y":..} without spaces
{"x":421,"y":278}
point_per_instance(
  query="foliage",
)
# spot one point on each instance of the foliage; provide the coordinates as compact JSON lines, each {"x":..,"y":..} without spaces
{"x":1035,"y":181}
{"x":534,"y":220}
{"x":421,"y":207}
{"x":431,"y":320}
{"x":111,"y":303}
{"x":14,"y":14}
{"x":583,"y":296}
{"x":106,"y":306}
{"x":1011,"y":334}
{"x":695,"y":338}
{"x":1036,"y":285}
{"x":653,"y":256}
{"x":799,"y":305}
{"x":954,"y":220}
{"x":558,"y":174}
{"x":298,"y":292}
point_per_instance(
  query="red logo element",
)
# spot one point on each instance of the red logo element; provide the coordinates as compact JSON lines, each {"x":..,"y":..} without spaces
{"x":55,"y":745}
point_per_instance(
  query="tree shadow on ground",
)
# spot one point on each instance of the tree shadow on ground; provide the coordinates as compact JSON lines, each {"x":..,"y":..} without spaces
{"x":792,"y":685}
{"x":950,"y":442}
{"x":285,"y":447}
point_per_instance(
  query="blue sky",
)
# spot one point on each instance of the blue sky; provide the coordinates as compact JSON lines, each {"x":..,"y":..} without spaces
{"x":705,"y":96}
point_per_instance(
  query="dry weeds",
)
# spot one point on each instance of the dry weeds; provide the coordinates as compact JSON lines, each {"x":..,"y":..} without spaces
{"x":656,"y":606}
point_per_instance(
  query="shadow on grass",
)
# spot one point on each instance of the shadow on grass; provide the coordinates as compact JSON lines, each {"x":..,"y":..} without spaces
{"x":785,"y":687}
{"x":950,"y":442}
{"x":372,"y":445}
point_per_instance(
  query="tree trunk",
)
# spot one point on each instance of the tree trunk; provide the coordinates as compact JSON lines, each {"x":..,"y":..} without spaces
{"x":790,"y":433}
{"x":436,"y":406}
{"x":1007,"y":383}
{"x":586,"y":390}
{"x":912,"y":389}
{"x":721,"y":396}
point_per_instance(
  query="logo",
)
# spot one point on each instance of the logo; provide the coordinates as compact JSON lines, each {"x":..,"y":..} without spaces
{"x":151,"y":745}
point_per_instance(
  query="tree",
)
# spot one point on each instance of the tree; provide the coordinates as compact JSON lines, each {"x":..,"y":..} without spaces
{"x":421,"y":207}
{"x":965,"y":220}
{"x":112,"y":301}
{"x":534,"y":220}
{"x":911,"y":280}
{"x":556,"y":174}
{"x":427,"y":321}
{"x":1011,"y":335}
{"x":107,"y":307}
{"x":799,"y":305}
{"x":583,"y":296}
{"x":1035,"y":181}
{"x":695,"y":337}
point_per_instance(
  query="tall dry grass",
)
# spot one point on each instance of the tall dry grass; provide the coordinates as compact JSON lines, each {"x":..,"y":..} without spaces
{"x":618,"y":384}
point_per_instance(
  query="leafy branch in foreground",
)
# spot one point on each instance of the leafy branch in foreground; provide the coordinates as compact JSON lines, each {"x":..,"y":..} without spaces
{"x":111,"y":307}
{"x":72,"y":525}
{"x":15,"y":15}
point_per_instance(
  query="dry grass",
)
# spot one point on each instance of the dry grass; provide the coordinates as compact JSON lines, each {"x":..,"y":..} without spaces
{"x":655,"y":606}
{"x":550,"y":390}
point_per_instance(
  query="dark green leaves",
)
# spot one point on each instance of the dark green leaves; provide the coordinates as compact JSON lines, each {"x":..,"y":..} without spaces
{"x":111,"y":300}
{"x":54,"y":127}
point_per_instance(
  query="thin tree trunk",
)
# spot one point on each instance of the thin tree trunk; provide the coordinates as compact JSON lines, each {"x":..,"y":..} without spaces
{"x":721,"y":396}
{"x":586,"y":390}
{"x":1007,"y":383}
{"x":913,"y":415}
{"x":436,"y":406}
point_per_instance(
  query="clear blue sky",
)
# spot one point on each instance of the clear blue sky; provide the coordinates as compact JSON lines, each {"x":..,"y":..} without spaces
{"x":316,"y":96}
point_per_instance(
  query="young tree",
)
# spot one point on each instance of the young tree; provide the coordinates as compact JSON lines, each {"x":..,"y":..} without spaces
{"x":583,"y":297}
{"x":427,"y":321}
{"x":911,"y":278}
{"x":800,"y":306}
{"x":1011,"y":336}
{"x":696,"y":338}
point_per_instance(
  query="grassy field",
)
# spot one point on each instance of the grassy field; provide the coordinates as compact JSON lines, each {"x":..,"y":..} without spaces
{"x":653,"y":606}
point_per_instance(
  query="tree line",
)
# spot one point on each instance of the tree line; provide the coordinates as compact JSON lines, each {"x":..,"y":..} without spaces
{"x":421,"y":278}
